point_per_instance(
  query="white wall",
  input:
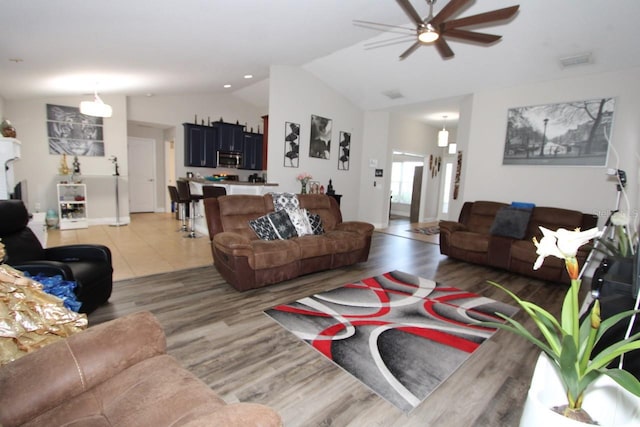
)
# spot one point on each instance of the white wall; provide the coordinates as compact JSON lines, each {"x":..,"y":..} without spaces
{"x":586,"y":189}
{"x":294,"y":96}
{"x":373,"y":201}
{"x":40,"y":168}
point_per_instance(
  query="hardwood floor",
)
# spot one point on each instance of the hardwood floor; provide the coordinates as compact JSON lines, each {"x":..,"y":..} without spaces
{"x":224,"y":338}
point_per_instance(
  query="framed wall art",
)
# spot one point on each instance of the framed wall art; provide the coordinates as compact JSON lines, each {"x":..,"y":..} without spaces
{"x":345,"y":147}
{"x":291,"y":145}
{"x":73,"y":133}
{"x":567,"y":134}
{"x":320,"y":141}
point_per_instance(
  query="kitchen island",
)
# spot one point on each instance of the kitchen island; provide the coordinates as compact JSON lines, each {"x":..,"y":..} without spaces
{"x":231,"y":187}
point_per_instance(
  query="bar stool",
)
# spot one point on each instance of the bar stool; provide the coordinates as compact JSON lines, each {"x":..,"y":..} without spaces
{"x":180,"y":205}
{"x":213,"y":191}
{"x":184,"y":191}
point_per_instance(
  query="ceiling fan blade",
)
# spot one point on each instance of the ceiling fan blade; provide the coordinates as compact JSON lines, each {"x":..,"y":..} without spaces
{"x":388,"y":42}
{"x":443,"y":48}
{"x":378,"y":24}
{"x":451,"y":8}
{"x":410,"y":50}
{"x":482,"y":18}
{"x":472,"y":36}
{"x":410,"y":11}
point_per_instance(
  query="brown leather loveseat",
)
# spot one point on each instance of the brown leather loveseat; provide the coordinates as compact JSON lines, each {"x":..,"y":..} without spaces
{"x":484,"y":234}
{"x":115,"y":374}
{"x":247,"y":262}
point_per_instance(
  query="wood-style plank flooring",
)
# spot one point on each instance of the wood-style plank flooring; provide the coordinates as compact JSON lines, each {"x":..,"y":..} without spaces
{"x":224,"y":338}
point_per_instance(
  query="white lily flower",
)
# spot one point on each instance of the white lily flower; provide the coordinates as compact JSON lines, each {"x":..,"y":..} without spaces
{"x":562,"y":243}
{"x":619,"y":218}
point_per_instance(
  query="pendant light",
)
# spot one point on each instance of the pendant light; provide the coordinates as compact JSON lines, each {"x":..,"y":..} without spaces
{"x":96,"y":108}
{"x":443,"y":135}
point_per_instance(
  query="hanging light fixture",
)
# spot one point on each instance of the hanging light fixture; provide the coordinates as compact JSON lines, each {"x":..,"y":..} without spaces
{"x":96,"y":108}
{"x":443,"y":135}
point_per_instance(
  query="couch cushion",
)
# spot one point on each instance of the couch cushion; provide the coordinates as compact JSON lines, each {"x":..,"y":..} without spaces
{"x":345,"y":241}
{"x":482,"y":216}
{"x":320,"y":205}
{"x":553,"y":218}
{"x":469,"y":241}
{"x":314,"y":246}
{"x":274,"y":253}
{"x":511,"y":222}
{"x":236,"y":211}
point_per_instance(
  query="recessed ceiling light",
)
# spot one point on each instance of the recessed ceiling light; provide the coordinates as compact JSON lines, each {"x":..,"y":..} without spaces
{"x":16,"y":60}
{"x":248,"y":76}
{"x":227,"y":86}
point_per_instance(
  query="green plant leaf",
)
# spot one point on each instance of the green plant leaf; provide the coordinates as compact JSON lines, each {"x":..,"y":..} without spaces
{"x":611,"y":321}
{"x":624,"y":378}
{"x":607,"y":355}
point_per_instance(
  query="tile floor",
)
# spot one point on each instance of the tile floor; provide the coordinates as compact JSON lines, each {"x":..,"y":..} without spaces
{"x":151,"y":244}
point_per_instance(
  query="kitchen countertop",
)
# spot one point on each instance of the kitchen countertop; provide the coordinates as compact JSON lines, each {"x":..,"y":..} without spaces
{"x":225,"y":182}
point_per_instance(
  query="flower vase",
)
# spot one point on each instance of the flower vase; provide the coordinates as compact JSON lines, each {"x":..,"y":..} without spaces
{"x":303,"y":190}
{"x":605,"y":401}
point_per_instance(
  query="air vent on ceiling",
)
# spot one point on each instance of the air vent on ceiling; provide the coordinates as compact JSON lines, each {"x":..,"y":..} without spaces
{"x":572,"y":61}
{"x":393,"y":94}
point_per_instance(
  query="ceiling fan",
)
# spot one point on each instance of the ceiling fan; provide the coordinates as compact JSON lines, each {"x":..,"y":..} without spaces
{"x":435,"y":29}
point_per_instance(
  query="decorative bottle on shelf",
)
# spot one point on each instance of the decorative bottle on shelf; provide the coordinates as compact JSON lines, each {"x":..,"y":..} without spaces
{"x":64,"y":168}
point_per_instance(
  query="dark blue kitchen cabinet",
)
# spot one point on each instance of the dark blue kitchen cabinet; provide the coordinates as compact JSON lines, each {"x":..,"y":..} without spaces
{"x":230,"y":136}
{"x":252,"y":150}
{"x":200,"y":145}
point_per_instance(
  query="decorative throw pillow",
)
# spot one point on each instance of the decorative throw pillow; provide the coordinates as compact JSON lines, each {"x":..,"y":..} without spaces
{"x":316,"y":223}
{"x":511,"y":222}
{"x":273,"y":226}
{"x":285,"y":201}
{"x":263,"y":228}
{"x":300,"y":221}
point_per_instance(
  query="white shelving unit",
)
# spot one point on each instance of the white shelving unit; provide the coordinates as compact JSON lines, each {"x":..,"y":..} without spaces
{"x":72,"y":206}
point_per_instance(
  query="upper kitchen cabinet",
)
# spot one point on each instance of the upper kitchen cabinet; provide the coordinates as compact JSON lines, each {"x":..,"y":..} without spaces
{"x":230,"y":136}
{"x":253,"y":149}
{"x":200,"y":145}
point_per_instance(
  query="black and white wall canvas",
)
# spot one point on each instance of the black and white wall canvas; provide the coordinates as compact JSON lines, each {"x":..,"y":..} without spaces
{"x":320,"y":141}
{"x":73,"y":133}
{"x":567,"y":134}
{"x":345,"y":147}
{"x":291,"y":145}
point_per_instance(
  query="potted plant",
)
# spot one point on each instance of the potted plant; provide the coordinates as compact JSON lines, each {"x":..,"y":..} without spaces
{"x":566,"y":343}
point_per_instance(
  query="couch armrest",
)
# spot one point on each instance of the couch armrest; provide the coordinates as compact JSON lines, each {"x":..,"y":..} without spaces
{"x":78,"y":252}
{"x":60,"y":371}
{"x":233,"y":243}
{"x":48,"y":268}
{"x":356,"y":227}
{"x":451,"y":226}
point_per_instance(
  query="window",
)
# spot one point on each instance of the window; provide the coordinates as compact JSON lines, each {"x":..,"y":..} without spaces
{"x":402,"y":180}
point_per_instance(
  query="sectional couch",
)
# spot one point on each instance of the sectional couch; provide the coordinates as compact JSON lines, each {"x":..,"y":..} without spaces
{"x":248,"y":261}
{"x":500,"y":235}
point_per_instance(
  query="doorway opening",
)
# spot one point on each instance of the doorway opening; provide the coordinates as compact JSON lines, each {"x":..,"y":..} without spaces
{"x":406,"y":186}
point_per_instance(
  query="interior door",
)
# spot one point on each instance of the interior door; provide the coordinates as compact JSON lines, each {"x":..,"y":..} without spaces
{"x":142,"y":174}
{"x":414,"y":212}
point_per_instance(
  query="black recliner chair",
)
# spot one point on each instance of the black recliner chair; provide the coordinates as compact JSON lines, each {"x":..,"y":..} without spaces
{"x":87,"y":265}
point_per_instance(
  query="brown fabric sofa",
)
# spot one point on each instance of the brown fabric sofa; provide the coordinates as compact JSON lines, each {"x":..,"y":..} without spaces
{"x":247,"y":262}
{"x":470,"y":239}
{"x":115,"y":374}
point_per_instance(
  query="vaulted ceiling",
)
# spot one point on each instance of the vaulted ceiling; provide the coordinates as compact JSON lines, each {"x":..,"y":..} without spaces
{"x":138,"y":47}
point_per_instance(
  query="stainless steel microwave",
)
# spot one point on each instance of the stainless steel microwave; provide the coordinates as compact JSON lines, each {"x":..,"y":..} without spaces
{"x":229,"y":159}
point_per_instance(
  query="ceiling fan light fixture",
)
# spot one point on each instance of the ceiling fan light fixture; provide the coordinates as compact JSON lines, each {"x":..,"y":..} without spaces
{"x":96,"y":108}
{"x":428,"y":34}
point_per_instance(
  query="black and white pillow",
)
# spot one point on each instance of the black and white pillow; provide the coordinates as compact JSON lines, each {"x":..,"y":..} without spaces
{"x":300,"y":221}
{"x":316,"y":223}
{"x":285,"y":201}
{"x":273,"y":226}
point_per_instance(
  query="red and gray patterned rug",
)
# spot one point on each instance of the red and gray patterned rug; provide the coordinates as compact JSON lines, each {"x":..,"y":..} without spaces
{"x":399,"y":334}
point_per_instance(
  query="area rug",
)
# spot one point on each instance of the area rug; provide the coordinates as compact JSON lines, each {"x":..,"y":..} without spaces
{"x":429,"y":231}
{"x":399,"y":334}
